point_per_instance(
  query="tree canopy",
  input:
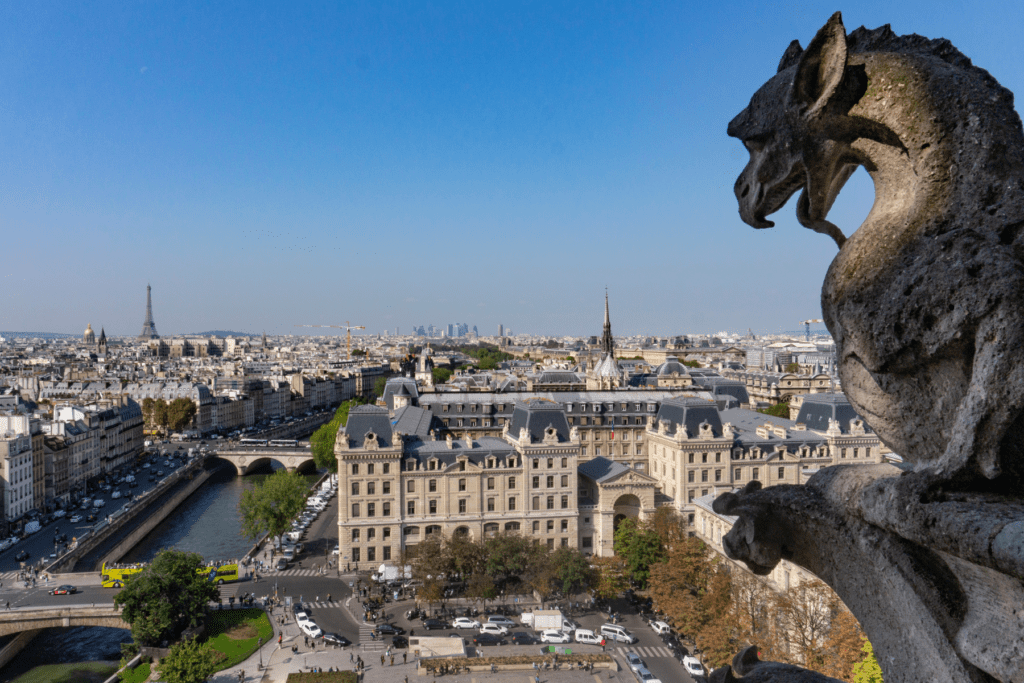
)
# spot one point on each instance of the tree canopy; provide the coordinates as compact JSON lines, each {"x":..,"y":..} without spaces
{"x":166,"y":597}
{"x":175,"y":415}
{"x":188,"y":662}
{"x":777,"y":410}
{"x":270,"y":507}
{"x":639,"y":546}
{"x":441,"y":375}
{"x":322,"y":440}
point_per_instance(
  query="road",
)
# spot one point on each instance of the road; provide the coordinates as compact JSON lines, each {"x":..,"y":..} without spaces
{"x":42,"y":543}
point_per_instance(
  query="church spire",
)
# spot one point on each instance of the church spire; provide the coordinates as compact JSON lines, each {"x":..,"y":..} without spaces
{"x":607,"y":344}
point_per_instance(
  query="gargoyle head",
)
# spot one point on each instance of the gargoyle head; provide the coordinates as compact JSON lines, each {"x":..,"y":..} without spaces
{"x":788,"y":130}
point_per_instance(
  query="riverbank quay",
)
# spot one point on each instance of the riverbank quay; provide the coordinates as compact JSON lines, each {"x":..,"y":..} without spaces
{"x":128,"y":518}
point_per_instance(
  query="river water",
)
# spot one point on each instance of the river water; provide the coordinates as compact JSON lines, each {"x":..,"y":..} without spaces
{"x":207,"y":522}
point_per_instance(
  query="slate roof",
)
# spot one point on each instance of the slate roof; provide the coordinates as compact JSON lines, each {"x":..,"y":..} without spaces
{"x":414,"y":421}
{"x":817,"y":409}
{"x":745,"y":424}
{"x":483,"y":448}
{"x":670,"y":366}
{"x":399,"y":386}
{"x":536,"y":415}
{"x":691,"y":412}
{"x":601,"y":469}
{"x":364,"y":419}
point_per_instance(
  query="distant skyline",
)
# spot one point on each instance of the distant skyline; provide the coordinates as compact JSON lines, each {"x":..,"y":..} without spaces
{"x":264,"y":165}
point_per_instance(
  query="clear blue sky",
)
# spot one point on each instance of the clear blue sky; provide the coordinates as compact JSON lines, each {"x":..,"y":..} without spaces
{"x":392,"y":164}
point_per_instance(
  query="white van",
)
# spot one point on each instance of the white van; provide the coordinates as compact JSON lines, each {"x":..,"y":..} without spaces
{"x":587,"y":637}
{"x":617,"y":633}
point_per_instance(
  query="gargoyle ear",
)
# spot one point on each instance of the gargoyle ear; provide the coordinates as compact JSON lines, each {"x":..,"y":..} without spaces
{"x":791,"y":56}
{"x":821,"y":66}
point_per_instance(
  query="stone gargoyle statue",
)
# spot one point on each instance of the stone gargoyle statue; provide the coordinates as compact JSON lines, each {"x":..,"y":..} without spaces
{"x":925,"y":302}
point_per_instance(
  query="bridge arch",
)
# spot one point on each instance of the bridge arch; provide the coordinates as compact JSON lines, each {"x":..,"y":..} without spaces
{"x":15,"y":621}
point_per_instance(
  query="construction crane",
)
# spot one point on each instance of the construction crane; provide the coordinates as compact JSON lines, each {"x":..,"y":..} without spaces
{"x":807,"y":327}
{"x":348,"y":331}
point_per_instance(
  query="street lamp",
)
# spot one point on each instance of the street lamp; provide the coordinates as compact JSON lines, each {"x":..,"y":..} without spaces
{"x":259,"y":646}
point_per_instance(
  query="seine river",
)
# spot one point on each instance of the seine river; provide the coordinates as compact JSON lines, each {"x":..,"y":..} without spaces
{"x":207,"y":523}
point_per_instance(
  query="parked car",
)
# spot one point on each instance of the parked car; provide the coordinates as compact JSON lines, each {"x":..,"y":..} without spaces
{"x":693,"y":666}
{"x":21,"y":556}
{"x":466,"y":622}
{"x":501,"y":620}
{"x":75,"y":519}
{"x":400,"y":642}
{"x":64,"y":590}
{"x":488,"y":639}
{"x":643,"y":675}
{"x":660,"y":627}
{"x":554,"y":636}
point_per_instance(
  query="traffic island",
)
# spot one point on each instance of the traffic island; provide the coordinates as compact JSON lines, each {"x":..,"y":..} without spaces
{"x":543,"y":662}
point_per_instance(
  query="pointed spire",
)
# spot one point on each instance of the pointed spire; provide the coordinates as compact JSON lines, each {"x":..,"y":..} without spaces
{"x":607,"y":317}
{"x":607,"y":343}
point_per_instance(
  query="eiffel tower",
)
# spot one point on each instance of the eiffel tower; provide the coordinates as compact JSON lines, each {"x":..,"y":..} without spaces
{"x":149,"y":327}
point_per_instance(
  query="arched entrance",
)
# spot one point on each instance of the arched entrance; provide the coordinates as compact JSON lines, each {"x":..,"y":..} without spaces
{"x":627,"y":505}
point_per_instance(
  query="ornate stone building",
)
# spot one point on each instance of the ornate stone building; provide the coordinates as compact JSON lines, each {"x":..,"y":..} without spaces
{"x":697,"y":450}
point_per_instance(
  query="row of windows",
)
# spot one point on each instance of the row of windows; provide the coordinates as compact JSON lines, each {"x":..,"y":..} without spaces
{"x":550,"y":502}
{"x":551,"y":481}
{"x":611,"y":451}
{"x":371,"y":534}
{"x":551,"y":463}
{"x":385,"y":468}
{"x":569,"y":407}
{"x":434,"y":464}
{"x":371,"y":509}
{"x":371,"y":488}
{"x":371,"y":554}
{"x":410,"y":506}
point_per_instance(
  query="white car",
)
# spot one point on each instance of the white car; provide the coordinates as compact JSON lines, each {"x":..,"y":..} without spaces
{"x":301,"y":618}
{"x":554,"y":636}
{"x":634,"y":661}
{"x":311,"y":629}
{"x":660,"y":627}
{"x":693,"y":666}
{"x":645,"y":676}
{"x":465,"y":622}
{"x":494,"y":629}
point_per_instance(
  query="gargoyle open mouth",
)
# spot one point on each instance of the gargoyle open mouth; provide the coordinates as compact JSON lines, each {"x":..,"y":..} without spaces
{"x":777,"y":197}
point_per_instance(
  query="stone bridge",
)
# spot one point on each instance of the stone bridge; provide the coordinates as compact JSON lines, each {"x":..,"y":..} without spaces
{"x":248,"y":458}
{"x":18,"y":620}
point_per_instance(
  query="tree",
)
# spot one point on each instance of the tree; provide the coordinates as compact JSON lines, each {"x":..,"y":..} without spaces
{"x":640,"y":547}
{"x":378,"y":386}
{"x":188,"y":662}
{"x":358,"y":353}
{"x":681,"y":582}
{"x":179,"y":413}
{"x":716,"y":637}
{"x":271,"y":506}
{"x":867,"y":670}
{"x":692,"y":364}
{"x":844,"y":645}
{"x":572,"y":570}
{"x":610,"y":577}
{"x":792,"y":367}
{"x":481,"y":585}
{"x":322,"y":440}
{"x":166,"y":597}
{"x":441,"y":375}
{"x":777,"y":410}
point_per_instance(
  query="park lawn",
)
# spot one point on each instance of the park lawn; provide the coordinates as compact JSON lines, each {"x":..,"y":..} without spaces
{"x":137,"y":675}
{"x":234,"y":634}
{"x":77,"y":672}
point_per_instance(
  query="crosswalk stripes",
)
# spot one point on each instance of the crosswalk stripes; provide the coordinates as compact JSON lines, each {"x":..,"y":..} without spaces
{"x":297,"y":572}
{"x":644,"y":651}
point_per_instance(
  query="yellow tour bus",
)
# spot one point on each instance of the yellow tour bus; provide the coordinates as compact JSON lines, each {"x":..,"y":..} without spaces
{"x":117,"y":575}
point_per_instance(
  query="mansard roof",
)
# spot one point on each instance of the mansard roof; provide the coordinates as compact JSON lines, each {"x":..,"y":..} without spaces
{"x":691,"y":413}
{"x":365,"y":419}
{"x":414,"y":421}
{"x":746,"y":422}
{"x":601,"y":469}
{"x":481,"y":449}
{"x":536,"y":415}
{"x":817,"y":409}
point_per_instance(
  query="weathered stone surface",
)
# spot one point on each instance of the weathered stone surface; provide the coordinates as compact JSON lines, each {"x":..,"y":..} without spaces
{"x":926,"y":304}
{"x":926,"y":299}
{"x":747,"y":668}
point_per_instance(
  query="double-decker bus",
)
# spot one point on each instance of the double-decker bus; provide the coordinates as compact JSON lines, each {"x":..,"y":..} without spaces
{"x":117,"y":575}
{"x":290,"y":443}
{"x":252,"y":442}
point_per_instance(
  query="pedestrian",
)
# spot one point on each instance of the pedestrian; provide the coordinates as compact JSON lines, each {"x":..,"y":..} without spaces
{"x":328,"y":597}
{"x":8,"y":604}
{"x":351,"y":658}
{"x":280,"y":636}
{"x":392,"y":660}
{"x":382,"y":660}
{"x":405,"y":657}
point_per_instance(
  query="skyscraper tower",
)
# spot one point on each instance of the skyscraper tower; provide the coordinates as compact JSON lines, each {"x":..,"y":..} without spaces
{"x":149,"y":327}
{"x":607,"y":344}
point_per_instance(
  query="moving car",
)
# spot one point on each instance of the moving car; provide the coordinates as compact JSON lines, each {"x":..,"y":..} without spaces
{"x":501,"y":620}
{"x":400,"y":642}
{"x":75,"y":519}
{"x":634,"y":661}
{"x":643,"y":675}
{"x":431,"y":624}
{"x":494,"y":629}
{"x":554,"y":636}
{"x":465,"y":622}
{"x":64,"y":590}
{"x":282,"y":564}
{"x":488,"y":639}
{"x":521,"y":638}
{"x":336,"y":640}
{"x":693,"y":666}
{"x":21,"y":556}
{"x":311,"y":629}
{"x":389,"y":630}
